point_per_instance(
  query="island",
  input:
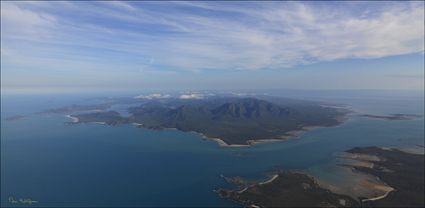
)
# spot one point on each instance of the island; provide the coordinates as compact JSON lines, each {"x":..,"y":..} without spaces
{"x":15,"y":118}
{"x":229,"y":121}
{"x":76,"y":108}
{"x":402,"y":171}
{"x":396,"y":116}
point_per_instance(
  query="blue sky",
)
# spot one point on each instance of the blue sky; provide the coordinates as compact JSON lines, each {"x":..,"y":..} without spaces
{"x":211,"y":45}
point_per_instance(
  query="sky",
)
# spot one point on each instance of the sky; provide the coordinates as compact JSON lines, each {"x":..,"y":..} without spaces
{"x":81,"y":45}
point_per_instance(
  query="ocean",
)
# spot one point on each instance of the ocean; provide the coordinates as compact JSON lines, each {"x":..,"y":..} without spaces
{"x":44,"y":160}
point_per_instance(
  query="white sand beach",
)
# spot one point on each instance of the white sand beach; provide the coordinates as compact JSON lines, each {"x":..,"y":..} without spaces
{"x":74,"y":119}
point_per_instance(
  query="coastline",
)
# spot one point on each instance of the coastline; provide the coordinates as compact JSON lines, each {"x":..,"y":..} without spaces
{"x":221,"y":142}
{"x":139,"y":125}
{"x":290,"y":189}
{"x":259,"y":183}
{"x":74,"y":119}
{"x":248,"y":143}
{"x":382,"y":164}
{"x":379,"y":197}
{"x":288,"y":135}
{"x":270,"y":180}
{"x":358,"y":184}
{"x":372,"y":189}
{"x":98,"y":122}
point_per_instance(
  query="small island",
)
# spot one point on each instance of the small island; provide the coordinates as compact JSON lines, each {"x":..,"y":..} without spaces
{"x":396,"y":116}
{"x":229,"y":121}
{"x":15,"y":118}
{"x":76,"y":108}
{"x":402,"y":171}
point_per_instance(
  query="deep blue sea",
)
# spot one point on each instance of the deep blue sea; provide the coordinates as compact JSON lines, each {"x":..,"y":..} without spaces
{"x":96,"y":165}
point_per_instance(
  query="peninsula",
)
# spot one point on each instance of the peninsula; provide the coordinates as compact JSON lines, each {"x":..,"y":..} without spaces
{"x":288,"y":189}
{"x":401,"y":171}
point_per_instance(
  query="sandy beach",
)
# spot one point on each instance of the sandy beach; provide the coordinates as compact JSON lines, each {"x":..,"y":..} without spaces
{"x":74,"y":119}
{"x":260,"y":183}
{"x":251,"y":142}
{"x":270,"y":180}
{"x":358,"y":184}
{"x":98,"y":122}
{"x":378,"y":188}
{"x":224,"y":144}
{"x":137,"y":124}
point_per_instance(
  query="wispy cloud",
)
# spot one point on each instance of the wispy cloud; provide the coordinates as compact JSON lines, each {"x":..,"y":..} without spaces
{"x":249,"y":36}
{"x":120,"y":4}
{"x":199,"y":36}
{"x":24,"y":23}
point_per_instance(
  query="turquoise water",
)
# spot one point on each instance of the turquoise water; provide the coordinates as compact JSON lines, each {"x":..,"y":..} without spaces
{"x":98,"y":165}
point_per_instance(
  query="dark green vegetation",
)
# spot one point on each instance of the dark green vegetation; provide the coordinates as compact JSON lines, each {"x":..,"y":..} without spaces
{"x":400,"y":170}
{"x":234,"y":120}
{"x":289,"y":189}
{"x":397,"y":116}
{"x":109,"y":117}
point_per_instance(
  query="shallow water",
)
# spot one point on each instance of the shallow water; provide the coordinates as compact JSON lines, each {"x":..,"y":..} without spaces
{"x":95,"y":165}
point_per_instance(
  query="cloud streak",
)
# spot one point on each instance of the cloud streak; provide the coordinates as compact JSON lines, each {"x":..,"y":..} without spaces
{"x":145,"y":37}
{"x":270,"y":35}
